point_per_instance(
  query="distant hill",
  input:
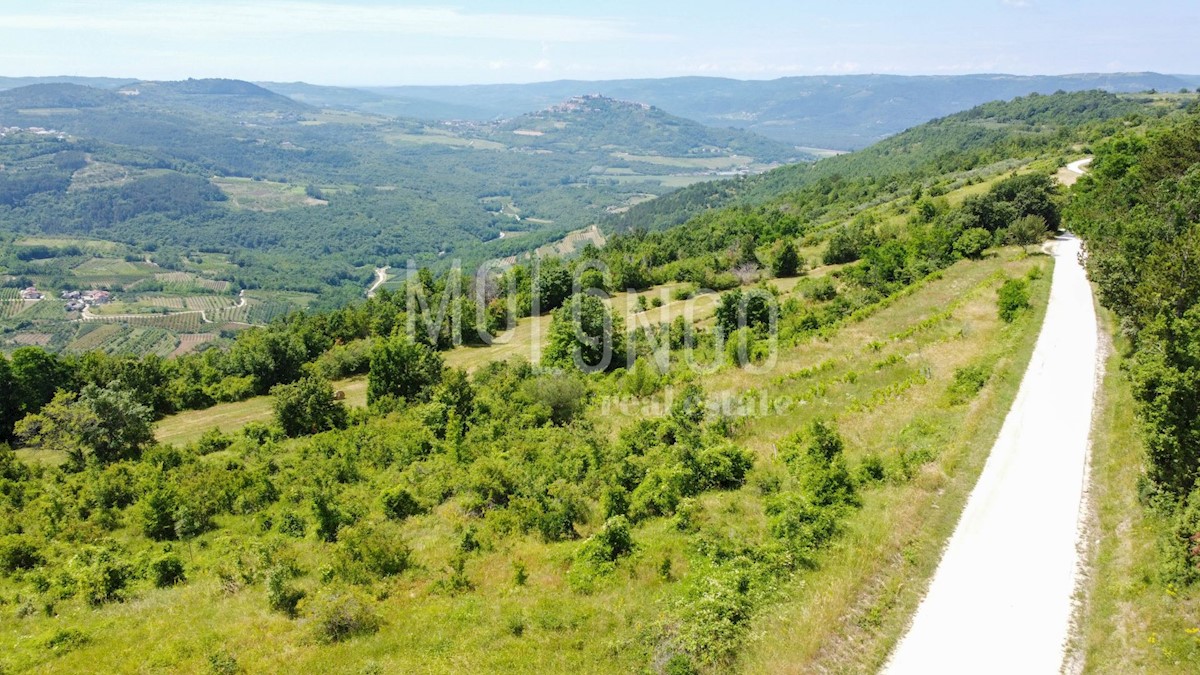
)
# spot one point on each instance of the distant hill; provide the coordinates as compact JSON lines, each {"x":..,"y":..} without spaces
{"x":213,"y":96}
{"x":58,"y":95}
{"x":841,"y":112}
{"x":592,"y":121}
{"x":97,"y":82}
{"x":380,"y":104}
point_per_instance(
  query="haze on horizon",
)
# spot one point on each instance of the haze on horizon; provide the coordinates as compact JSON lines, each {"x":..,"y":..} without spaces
{"x":374,"y":42}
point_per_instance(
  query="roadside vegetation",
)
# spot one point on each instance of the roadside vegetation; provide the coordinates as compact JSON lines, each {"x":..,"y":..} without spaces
{"x":1138,"y":212}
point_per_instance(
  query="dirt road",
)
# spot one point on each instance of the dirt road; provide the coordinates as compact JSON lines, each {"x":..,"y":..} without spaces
{"x":381,"y":277}
{"x":1000,"y":601}
{"x":1072,"y":171}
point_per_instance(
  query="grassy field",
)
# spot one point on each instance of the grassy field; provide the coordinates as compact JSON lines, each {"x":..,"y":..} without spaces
{"x":1130,"y":622}
{"x":263,"y":195}
{"x":848,"y":613}
{"x":229,"y":417}
{"x":697,"y":163}
{"x":437,"y":137}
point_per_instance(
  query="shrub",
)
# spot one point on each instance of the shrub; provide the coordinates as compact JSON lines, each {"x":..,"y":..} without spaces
{"x":399,"y":503}
{"x":307,"y":406}
{"x":282,"y":597}
{"x":368,"y":552}
{"x":973,"y":242}
{"x":292,"y":524}
{"x":612,"y":542}
{"x":872,"y":469}
{"x":166,"y":571}
{"x":723,"y":467}
{"x":967,"y":382}
{"x":99,"y":575}
{"x":821,"y":290}
{"x":1012,"y":298}
{"x":64,"y":640}
{"x":18,"y":553}
{"x":156,"y":512}
{"x":339,"y":615}
{"x":614,"y":501}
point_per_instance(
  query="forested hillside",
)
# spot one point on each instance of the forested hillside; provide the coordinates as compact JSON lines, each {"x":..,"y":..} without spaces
{"x":971,"y":140}
{"x":729,"y":443}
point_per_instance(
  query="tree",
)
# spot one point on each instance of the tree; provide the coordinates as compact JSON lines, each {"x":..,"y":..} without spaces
{"x":10,"y":402}
{"x":402,"y":368}
{"x":37,"y":374}
{"x":973,"y":242}
{"x":1027,"y":230}
{"x":307,"y":406}
{"x":553,"y":284}
{"x":786,"y":262}
{"x":587,"y":335}
{"x":1013,"y":297}
{"x":739,"y":309}
{"x":105,"y":425}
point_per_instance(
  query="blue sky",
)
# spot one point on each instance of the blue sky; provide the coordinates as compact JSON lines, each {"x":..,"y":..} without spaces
{"x":372,"y":42}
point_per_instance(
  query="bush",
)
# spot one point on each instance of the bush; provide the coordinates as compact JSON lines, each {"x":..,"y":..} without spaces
{"x":973,"y":242}
{"x":612,"y":542}
{"x":967,"y":382}
{"x":212,"y":441}
{"x":166,"y":571}
{"x":399,"y":504}
{"x":723,"y":467}
{"x":339,"y":615}
{"x":1012,"y":298}
{"x":821,"y":290}
{"x":307,"y":407}
{"x":368,"y":552}
{"x":18,"y":553}
{"x":98,"y":575}
{"x":282,"y":597}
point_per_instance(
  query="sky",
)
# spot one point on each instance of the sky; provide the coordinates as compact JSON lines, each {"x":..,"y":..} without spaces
{"x":373,"y":42}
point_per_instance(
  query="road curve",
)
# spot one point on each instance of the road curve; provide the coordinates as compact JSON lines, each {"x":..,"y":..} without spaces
{"x":1001,"y":599}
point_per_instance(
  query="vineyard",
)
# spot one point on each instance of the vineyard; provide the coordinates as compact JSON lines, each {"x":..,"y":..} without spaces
{"x":140,"y":341}
{"x":186,"y":282}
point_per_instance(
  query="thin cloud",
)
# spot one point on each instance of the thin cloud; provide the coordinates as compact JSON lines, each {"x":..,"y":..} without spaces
{"x":288,"y":17}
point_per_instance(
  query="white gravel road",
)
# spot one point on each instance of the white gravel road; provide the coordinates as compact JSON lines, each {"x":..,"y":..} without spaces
{"x":1001,"y":599}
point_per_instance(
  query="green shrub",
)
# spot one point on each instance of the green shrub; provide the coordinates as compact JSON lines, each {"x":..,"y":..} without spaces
{"x":17,"y":552}
{"x":156,"y":512}
{"x":872,"y":469}
{"x":212,"y":441}
{"x":614,"y":501}
{"x":968,"y":381}
{"x":973,"y":242}
{"x":292,"y":524}
{"x":99,"y":575}
{"x":339,"y":614}
{"x":1012,"y":298}
{"x":222,"y":662}
{"x":282,"y":597}
{"x":723,"y":467}
{"x":821,"y":290}
{"x":612,"y":542}
{"x":399,"y":503}
{"x":167,"y":570}
{"x":64,"y":640}
{"x":369,"y":551}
